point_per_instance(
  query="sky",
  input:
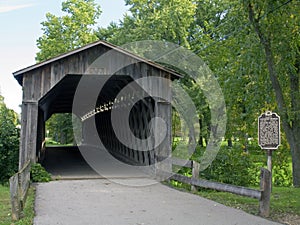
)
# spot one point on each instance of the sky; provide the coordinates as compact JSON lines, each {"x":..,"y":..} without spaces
{"x":20,"y":23}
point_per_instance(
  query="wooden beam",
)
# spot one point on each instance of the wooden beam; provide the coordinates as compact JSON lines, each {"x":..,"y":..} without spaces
{"x":243,"y":191}
{"x":182,"y":162}
{"x":265,"y":186}
{"x":29,"y":125}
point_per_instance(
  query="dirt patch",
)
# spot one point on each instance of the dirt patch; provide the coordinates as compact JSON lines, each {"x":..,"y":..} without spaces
{"x":288,"y":219}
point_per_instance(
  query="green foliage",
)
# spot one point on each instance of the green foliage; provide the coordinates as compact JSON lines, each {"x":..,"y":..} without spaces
{"x":9,"y":142}
{"x":241,"y":166}
{"x":282,"y":167}
{"x":60,"y":129}
{"x":281,"y":160}
{"x":167,"y":20}
{"x":231,"y":166}
{"x":73,"y":30}
{"x":39,"y":174}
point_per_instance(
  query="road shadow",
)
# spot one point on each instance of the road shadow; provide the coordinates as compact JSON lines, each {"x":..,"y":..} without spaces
{"x":67,"y":163}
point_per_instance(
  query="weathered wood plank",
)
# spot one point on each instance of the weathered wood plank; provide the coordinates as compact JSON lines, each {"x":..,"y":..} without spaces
{"x":31,"y":131}
{"x":182,"y":162}
{"x":24,"y":181}
{"x":243,"y":191}
{"x":14,"y":197}
{"x":265,"y":186}
{"x":23,"y":139}
{"x":164,"y":149}
{"x":19,"y":185}
{"x":195,"y":173}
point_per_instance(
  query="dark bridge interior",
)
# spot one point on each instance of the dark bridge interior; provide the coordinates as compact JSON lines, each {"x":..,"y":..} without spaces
{"x":64,"y":161}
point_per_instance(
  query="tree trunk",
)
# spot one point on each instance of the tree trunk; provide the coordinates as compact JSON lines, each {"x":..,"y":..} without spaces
{"x":295,"y":108}
{"x":229,"y":142}
{"x":291,"y":126}
{"x":200,"y":141}
{"x":295,"y":146}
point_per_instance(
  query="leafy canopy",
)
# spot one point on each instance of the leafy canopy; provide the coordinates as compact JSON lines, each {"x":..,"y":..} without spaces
{"x":73,"y":30}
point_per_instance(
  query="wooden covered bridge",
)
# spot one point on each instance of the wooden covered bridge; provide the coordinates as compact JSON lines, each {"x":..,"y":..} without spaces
{"x":87,"y":82}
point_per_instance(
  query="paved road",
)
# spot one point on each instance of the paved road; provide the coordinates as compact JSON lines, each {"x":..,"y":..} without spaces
{"x":67,"y":163}
{"x":104,"y":202}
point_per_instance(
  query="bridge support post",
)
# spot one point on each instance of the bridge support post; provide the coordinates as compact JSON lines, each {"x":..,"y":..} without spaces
{"x":29,"y":127}
{"x":164,"y":151}
{"x":41,"y":135}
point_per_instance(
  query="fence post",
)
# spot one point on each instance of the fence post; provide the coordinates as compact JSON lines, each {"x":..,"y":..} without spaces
{"x":195,"y":173}
{"x":265,"y":187}
{"x":14,"y":197}
{"x":19,"y":184}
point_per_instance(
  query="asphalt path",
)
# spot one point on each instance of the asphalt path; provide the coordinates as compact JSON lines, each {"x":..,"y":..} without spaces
{"x":104,"y":202}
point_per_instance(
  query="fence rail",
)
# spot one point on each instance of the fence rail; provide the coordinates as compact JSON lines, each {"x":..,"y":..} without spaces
{"x":19,"y":184}
{"x":263,"y":195}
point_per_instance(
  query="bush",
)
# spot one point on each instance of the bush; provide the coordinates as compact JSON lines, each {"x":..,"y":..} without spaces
{"x":9,"y":142}
{"x":39,"y":174}
{"x":237,"y":167}
{"x":230,"y":167}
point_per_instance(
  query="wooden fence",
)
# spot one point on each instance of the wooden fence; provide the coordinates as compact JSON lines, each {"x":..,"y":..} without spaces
{"x":263,"y":195}
{"x":19,"y":184}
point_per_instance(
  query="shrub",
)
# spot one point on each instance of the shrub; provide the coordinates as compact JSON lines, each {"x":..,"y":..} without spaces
{"x":39,"y":174}
{"x":9,"y":142}
{"x":230,"y":167}
{"x":235,"y":166}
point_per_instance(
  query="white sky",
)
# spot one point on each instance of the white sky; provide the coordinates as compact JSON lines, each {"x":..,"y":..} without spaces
{"x":20,"y":28}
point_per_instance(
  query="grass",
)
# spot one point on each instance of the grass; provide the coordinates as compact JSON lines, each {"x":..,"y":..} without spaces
{"x":283,"y":200}
{"x":285,"y":204}
{"x":5,"y":217}
{"x":52,"y":143}
{"x":5,"y":208}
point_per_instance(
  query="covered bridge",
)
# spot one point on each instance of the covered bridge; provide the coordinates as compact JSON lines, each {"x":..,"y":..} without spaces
{"x":87,"y":82}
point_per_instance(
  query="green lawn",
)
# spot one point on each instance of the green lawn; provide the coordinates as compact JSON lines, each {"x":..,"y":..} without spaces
{"x":4,"y":205}
{"x":5,"y":209}
{"x":285,"y":204}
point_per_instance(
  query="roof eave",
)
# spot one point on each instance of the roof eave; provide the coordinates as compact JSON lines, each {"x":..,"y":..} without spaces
{"x":35,"y":66}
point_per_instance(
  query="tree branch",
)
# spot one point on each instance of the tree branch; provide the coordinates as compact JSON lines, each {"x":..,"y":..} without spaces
{"x":266,"y":43}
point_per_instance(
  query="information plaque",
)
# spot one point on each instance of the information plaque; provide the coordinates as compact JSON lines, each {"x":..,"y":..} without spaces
{"x":269,"y":130}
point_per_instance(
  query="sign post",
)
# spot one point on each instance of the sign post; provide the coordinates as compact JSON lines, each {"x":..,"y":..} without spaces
{"x":268,"y":139}
{"x":269,"y":134}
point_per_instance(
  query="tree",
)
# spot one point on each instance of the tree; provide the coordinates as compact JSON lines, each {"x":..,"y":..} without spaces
{"x":60,"y":128}
{"x":253,"y":48}
{"x":73,"y":30}
{"x":166,"y":20}
{"x":221,"y":37}
{"x":279,"y":35}
{"x":63,"y":34}
{"x":9,"y":142}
